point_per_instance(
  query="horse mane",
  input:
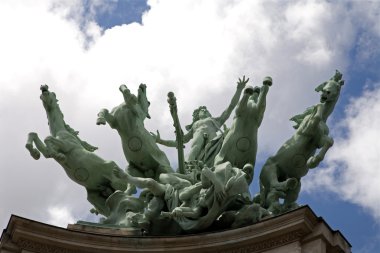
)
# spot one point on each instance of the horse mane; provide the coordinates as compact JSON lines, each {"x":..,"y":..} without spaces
{"x":300,"y":117}
{"x":84,"y":144}
{"x":337,"y":78}
{"x":75,"y":133}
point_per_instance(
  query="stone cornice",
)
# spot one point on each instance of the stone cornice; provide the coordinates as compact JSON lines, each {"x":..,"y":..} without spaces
{"x":300,"y":225}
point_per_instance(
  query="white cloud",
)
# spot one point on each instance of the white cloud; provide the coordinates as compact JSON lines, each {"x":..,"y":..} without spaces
{"x":60,"y":216}
{"x":367,"y":19}
{"x":195,"y":48}
{"x":352,"y":165}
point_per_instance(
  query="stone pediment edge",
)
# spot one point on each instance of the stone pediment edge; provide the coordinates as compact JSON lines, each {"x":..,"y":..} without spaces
{"x":290,"y":226}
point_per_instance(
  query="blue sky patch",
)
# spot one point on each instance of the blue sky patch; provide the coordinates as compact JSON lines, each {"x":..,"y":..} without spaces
{"x":121,"y":12}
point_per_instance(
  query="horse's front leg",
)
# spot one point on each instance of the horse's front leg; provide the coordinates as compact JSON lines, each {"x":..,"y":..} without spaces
{"x":40,"y":147}
{"x":105,"y":117}
{"x":129,"y":99}
{"x":33,"y":138}
{"x":326,"y":143}
{"x":52,"y":147}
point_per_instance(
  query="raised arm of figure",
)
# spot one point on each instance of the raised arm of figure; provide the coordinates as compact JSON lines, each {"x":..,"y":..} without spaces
{"x":168,"y":143}
{"x":234,"y":101}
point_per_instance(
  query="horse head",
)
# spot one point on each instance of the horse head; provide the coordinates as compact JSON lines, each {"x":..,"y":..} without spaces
{"x":48,"y":98}
{"x":330,"y":89}
{"x":143,"y":100}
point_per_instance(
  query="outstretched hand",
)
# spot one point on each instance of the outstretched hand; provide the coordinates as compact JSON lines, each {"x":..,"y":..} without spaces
{"x":157,"y":136}
{"x":242,"y":82}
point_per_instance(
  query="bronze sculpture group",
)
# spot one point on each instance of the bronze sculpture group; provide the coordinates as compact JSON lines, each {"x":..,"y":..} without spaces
{"x":210,"y":189}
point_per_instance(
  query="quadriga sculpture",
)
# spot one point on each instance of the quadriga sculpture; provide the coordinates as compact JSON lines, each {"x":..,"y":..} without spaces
{"x":206,"y":193}
{"x":140,"y":149}
{"x":75,"y":156}
{"x":281,"y":175}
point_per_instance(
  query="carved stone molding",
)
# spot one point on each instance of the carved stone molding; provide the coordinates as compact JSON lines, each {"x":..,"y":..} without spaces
{"x":296,"y":231}
{"x":268,"y":244}
{"x":41,"y":247}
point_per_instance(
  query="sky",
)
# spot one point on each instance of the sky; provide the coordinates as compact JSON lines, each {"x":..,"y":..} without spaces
{"x":84,"y":50}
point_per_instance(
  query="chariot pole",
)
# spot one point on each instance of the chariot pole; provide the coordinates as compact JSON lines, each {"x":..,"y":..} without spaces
{"x":178,"y":131}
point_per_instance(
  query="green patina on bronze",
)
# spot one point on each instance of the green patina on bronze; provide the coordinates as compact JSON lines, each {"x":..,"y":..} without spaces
{"x":281,"y":174}
{"x":210,"y":189}
{"x":203,"y":131}
{"x":77,"y":157}
{"x":144,"y":157}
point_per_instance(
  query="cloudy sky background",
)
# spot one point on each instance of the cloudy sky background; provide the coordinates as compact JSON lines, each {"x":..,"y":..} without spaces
{"x":198,"y":49}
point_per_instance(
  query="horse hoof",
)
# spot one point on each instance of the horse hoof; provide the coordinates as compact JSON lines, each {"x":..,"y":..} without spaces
{"x":35,"y":154}
{"x":249,"y":90}
{"x":100,"y":121}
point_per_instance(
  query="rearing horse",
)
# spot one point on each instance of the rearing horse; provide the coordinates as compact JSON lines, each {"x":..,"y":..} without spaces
{"x":75,"y":156}
{"x":140,"y":149}
{"x":281,"y":175}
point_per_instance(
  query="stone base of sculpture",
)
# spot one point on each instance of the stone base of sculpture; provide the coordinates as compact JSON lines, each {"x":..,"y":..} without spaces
{"x":297,"y":231}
